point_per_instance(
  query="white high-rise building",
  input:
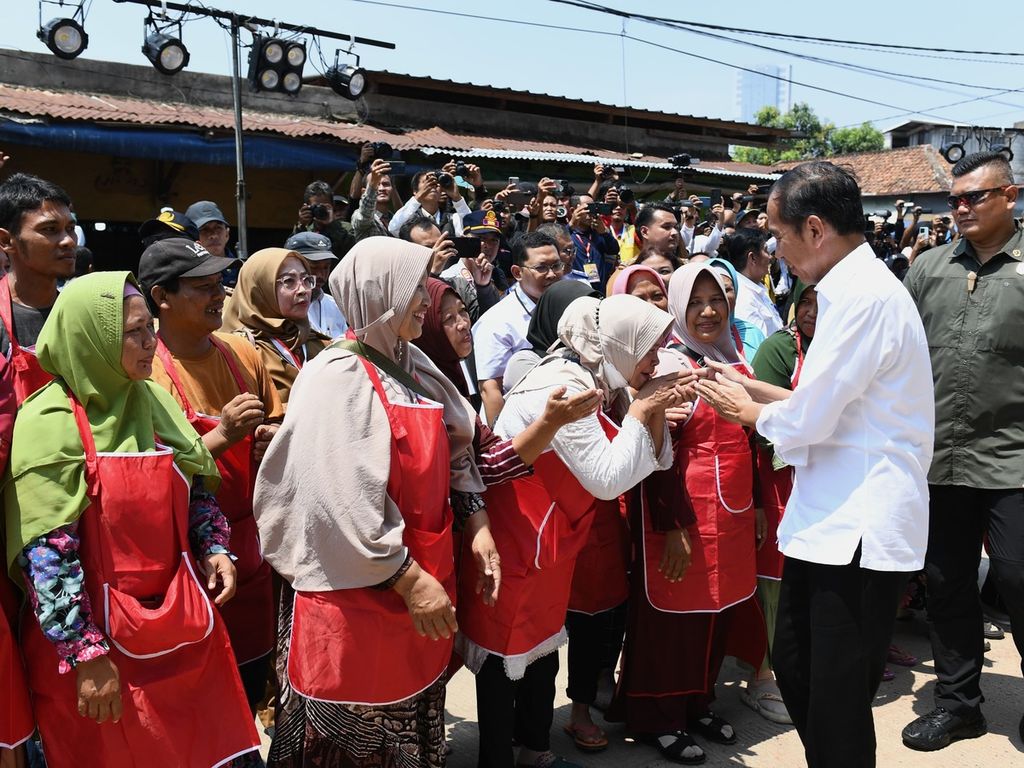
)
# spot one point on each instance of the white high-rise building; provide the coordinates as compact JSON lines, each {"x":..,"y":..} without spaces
{"x":769,"y":87}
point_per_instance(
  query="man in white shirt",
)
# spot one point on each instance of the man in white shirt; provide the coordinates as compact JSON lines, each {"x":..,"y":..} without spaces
{"x":426,"y":201}
{"x":746,"y":250}
{"x":501,"y":331}
{"x":859,"y":431}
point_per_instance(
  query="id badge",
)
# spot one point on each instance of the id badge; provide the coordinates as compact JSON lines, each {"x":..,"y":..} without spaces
{"x":590,"y":269}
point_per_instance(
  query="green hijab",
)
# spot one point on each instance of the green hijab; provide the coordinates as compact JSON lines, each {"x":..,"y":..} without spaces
{"x":81,"y":344}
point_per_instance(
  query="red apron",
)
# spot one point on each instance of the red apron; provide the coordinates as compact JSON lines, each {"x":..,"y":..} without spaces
{"x":600,"y":580}
{"x":540,"y":524}
{"x":16,"y":721}
{"x":776,"y":487}
{"x":26,"y":374}
{"x":183,"y":701}
{"x":249,"y":615}
{"x":359,"y":646}
{"x":719,"y":481}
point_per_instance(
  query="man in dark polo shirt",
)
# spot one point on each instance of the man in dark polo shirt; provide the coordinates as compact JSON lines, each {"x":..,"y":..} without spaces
{"x":970,"y":294}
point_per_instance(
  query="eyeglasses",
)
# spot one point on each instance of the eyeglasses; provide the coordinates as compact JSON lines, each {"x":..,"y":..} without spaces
{"x":542,"y":269}
{"x":292,"y":282}
{"x":970,"y":199}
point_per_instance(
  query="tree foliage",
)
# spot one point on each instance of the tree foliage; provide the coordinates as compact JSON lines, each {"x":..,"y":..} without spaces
{"x":817,"y":139}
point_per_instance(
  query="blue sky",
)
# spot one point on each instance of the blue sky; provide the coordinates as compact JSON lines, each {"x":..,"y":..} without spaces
{"x":564,"y":60}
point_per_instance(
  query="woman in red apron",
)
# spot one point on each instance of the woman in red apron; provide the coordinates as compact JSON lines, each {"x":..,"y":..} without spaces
{"x":270,"y":306}
{"x":541,"y":523}
{"x":126,"y":660}
{"x":352,"y":509}
{"x":693,"y":579}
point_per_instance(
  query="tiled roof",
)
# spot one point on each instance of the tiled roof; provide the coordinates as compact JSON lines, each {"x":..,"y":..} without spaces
{"x":894,"y":171}
{"x":107,"y":109}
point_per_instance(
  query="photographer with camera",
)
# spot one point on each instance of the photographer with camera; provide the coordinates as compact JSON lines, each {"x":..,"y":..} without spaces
{"x":371,"y":219}
{"x":597,"y":251}
{"x":479,"y":270}
{"x":696,"y":219}
{"x":317,"y":215}
{"x":430,"y":191}
{"x":678,"y":193}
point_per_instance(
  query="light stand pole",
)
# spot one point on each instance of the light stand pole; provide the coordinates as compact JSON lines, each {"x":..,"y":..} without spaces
{"x":237,"y":21}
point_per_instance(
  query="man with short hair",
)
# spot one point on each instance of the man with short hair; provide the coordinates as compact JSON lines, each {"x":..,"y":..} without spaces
{"x":325,"y":317}
{"x":426,"y":201}
{"x":597,"y":250}
{"x":746,"y":249}
{"x":221,"y":384}
{"x":37,"y":234}
{"x":501,"y":332}
{"x":970,"y":294}
{"x":374,"y":212}
{"x":858,"y":430}
{"x":317,"y":215}
{"x":657,"y":226}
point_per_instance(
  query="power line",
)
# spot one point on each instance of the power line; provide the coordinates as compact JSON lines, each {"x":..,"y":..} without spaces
{"x":785,"y":35}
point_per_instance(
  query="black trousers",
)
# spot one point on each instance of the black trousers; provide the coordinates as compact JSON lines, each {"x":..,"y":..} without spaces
{"x":520,"y":710}
{"x":595,"y":642}
{"x":960,"y":519}
{"x":832,"y":636}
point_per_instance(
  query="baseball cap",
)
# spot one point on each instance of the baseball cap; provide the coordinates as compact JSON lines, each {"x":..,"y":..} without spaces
{"x":481,"y":223}
{"x":168,"y":224}
{"x":204,"y":212}
{"x":312,"y":245}
{"x":175,"y":257}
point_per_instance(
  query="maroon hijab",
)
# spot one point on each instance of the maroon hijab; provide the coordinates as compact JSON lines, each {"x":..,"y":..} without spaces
{"x":434,"y":343}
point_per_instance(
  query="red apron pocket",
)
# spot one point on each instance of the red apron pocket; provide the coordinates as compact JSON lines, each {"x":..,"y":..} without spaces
{"x":184,"y":617}
{"x":734,"y":479}
{"x":434,"y":552}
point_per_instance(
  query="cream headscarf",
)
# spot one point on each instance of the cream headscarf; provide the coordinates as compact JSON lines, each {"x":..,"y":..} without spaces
{"x":253,"y":302}
{"x":608,"y":337}
{"x":321,"y":503}
{"x":722,"y":349}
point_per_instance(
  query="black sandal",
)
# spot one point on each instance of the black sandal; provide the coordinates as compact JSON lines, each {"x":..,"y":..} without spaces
{"x":713,"y":728}
{"x":674,"y":751}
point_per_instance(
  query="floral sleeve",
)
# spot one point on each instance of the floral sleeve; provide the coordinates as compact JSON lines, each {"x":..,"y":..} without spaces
{"x":208,"y":530}
{"x":56,"y":588}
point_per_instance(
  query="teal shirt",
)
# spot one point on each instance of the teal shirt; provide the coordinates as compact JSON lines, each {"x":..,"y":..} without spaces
{"x":976,"y":341}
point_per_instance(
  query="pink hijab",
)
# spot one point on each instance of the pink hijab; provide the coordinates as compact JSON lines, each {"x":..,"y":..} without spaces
{"x":621,"y":284}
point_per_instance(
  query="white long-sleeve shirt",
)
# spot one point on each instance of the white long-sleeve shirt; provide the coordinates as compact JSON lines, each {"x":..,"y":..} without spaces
{"x":412,"y":207}
{"x":605,"y":468}
{"x":711,"y":246}
{"x":754,"y":305}
{"x":860,"y":427}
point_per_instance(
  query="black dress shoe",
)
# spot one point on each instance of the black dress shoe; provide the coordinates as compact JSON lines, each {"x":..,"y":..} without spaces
{"x":940,"y":728}
{"x":993,"y":631}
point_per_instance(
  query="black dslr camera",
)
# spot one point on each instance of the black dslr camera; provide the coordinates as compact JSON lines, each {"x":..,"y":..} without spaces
{"x":382,"y":150}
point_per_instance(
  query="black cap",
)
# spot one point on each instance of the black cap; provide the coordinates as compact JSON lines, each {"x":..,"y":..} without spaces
{"x":175,"y":257}
{"x":168,"y":224}
{"x":312,"y":245}
{"x":204,"y":212}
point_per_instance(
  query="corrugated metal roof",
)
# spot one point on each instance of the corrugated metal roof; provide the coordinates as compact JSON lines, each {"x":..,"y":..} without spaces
{"x":96,"y":108}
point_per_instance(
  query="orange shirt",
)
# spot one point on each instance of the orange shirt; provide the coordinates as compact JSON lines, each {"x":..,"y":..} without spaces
{"x":209,"y":384}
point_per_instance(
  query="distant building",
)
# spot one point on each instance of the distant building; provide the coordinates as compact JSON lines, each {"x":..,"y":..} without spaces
{"x":767,"y":87}
{"x":972,"y":138}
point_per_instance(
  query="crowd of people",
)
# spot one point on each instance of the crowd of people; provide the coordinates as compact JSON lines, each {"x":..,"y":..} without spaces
{"x":471,"y":428}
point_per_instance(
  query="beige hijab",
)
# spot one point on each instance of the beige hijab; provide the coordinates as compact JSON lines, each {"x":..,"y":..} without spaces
{"x":722,"y":349}
{"x":608,"y":338}
{"x":324,"y":516}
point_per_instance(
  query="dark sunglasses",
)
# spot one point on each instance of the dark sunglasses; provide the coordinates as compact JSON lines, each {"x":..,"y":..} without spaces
{"x":970,"y":199}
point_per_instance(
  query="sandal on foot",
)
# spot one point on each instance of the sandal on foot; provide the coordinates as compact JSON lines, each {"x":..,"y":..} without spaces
{"x":900,"y":657}
{"x":679,"y":747}
{"x":765,"y":699}
{"x":713,"y":728}
{"x":587,"y":738}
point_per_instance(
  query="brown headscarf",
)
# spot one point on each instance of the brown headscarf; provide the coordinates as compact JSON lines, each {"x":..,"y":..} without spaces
{"x":434,"y":341}
{"x":252,"y":310}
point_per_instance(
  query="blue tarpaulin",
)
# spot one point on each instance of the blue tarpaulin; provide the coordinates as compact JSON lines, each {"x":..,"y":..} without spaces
{"x":178,"y":146}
